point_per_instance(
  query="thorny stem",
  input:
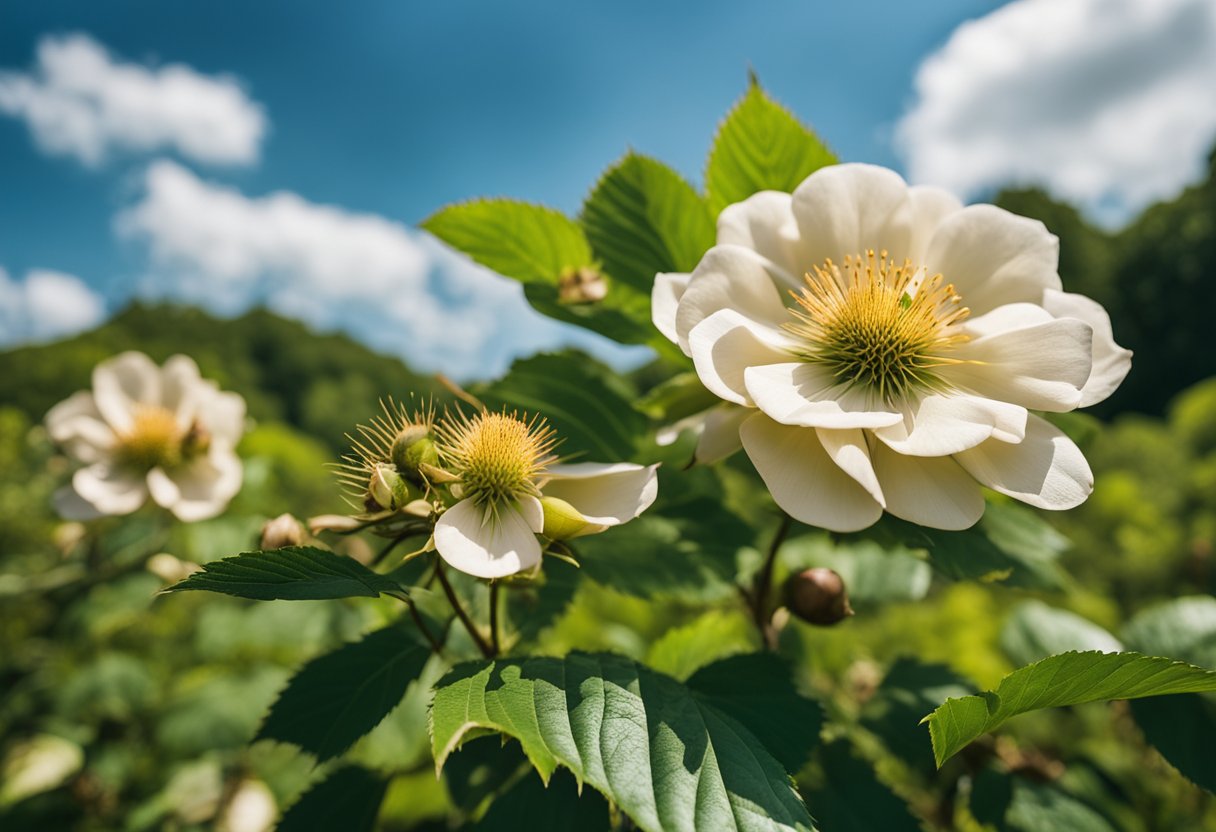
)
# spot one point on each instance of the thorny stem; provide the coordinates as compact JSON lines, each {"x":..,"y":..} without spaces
{"x":494,"y":587}
{"x":477,"y":637}
{"x":758,"y":597}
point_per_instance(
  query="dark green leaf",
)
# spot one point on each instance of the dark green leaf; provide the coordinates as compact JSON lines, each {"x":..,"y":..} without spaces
{"x":483,"y":767}
{"x":669,"y":757}
{"x":297,"y":573}
{"x":642,"y":218}
{"x":1016,"y":804}
{"x":679,"y":396}
{"x":337,"y":698}
{"x":909,"y":691}
{"x":853,"y":799}
{"x":1068,"y":679}
{"x":1035,"y":631}
{"x":349,"y":799}
{"x":534,"y":605}
{"x":760,"y":146}
{"x":532,"y":805}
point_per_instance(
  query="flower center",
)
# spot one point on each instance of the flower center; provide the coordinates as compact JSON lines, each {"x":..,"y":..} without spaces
{"x":153,"y":441}
{"x":877,"y":325}
{"x":497,"y":456}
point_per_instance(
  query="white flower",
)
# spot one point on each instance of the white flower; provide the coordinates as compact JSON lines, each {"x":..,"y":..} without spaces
{"x":145,"y":430}
{"x":511,"y":488}
{"x":879,"y":346}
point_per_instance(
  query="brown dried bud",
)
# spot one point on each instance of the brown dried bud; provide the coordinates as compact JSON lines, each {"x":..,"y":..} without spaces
{"x":584,"y":285}
{"x":818,"y":596}
{"x":283,"y":530}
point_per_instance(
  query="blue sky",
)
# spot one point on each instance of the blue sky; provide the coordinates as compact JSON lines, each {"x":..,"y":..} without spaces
{"x":393,"y":109}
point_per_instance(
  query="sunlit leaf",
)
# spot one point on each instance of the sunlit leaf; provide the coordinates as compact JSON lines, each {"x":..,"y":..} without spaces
{"x":1035,"y":631}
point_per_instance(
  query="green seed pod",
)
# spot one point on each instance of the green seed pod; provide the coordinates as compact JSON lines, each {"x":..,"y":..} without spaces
{"x":413,"y":448}
{"x":563,"y":521}
{"x":386,"y":490}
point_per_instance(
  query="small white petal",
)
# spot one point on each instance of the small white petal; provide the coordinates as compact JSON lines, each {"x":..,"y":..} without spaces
{"x":1111,"y":362}
{"x":808,"y":395}
{"x":764,"y":222}
{"x":1042,"y":367}
{"x":847,"y":209}
{"x":180,"y":383}
{"x":664,"y":299}
{"x":200,"y":489}
{"x":222,"y":414}
{"x":930,"y":491}
{"x":1005,"y":318}
{"x":1046,"y":469}
{"x":605,"y":494}
{"x":533,"y":513}
{"x":930,"y":206}
{"x":110,"y":489}
{"x":727,"y":343}
{"x":803,"y":479}
{"x":77,"y":426}
{"x":469,"y":539}
{"x":733,"y":277}
{"x":720,"y":434}
{"x":940,"y":424}
{"x":994,"y":257}
{"x":668,"y":434}
{"x":121,"y":382}
{"x":847,"y":448}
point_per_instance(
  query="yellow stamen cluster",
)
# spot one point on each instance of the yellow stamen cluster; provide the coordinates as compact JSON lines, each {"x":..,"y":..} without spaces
{"x":877,"y":325}
{"x":154,"y":439}
{"x":497,"y":457}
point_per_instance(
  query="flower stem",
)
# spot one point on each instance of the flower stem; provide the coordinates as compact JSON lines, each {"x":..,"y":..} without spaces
{"x":476,"y":635}
{"x":494,"y":645}
{"x":762,"y":588}
{"x":436,"y":647}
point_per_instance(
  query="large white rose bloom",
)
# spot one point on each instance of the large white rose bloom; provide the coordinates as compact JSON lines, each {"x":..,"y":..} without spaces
{"x":147,"y":431}
{"x":511,"y":487}
{"x":879,"y":346}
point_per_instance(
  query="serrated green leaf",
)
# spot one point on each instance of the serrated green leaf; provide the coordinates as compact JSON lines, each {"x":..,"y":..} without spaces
{"x":642,"y":218}
{"x":349,"y":799}
{"x":708,"y":638}
{"x":760,"y":146}
{"x":670,"y":758}
{"x":908,"y":691}
{"x":853,"y":799}
{"x":1068,"y":679}
{"x":1034,"y":631}
{"x":334,"y":700}
{"x":296,"y":573}
{"x":558,"y":806}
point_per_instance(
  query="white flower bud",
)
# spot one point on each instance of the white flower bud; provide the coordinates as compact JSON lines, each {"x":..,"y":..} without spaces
{"x":563,"y":521}
{"x":283,"y":530}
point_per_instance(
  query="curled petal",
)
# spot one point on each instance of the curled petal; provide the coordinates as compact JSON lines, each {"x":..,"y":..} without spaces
{"x":605,"y":494}
{"x":930,"y":491}
{"x":808,"y":395}
{"x":1111,"y":362}
{"x":77,"y":426}
{"x":844,"y":210}
{"x":940,"y":424}
{"x":200,"y":489}
{"x":180,"y":388}
{"x":110,"y":489}
{"x":764,"y":222}
{"x":1046,"y":469}
{"x":848,"y":449}
{"x":481,"y":544}
{"x":727,"y":343}
{"x":664,"y":299}
{"x":720,"y":433}
{"x":733,"y":277}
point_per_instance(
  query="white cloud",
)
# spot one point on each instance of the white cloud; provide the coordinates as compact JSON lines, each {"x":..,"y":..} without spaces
{"x":392,"y":288}
{"x":79,"y":101}
{"x":1107,"y":103}
{"x":45,"y":305}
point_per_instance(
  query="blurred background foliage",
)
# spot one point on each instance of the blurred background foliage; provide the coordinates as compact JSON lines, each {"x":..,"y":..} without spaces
{"x":125,"y":710}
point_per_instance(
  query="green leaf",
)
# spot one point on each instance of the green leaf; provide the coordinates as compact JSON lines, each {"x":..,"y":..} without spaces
{"x":853,"y":799}
{"x":1035,"y":631}
{"x":349,"y":799}
{"x":679,"y":396}
{"x":1068,"y":679}
{"x":670,"y":757}
{"x":642,"y":218}
{"x":760,"y":146}
{"x":1184,"y":628}
{"x":337,"y":698}
{"x":587,"y":403}
{"x":872,"y":573}
{"x":712,"y":636}
{"x":909,"y":690}
{"x":483,"y":767}
{"x":533,"y":605}
{"x":538,"y":246}
{"x":297,"y":573}
{"x":554,"y":807}
{"x":1017,"y":804}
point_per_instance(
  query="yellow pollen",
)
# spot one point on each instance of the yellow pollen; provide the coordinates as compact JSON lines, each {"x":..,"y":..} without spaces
{"x":153,"y":440}
{"x":496,"y":456}
{"x":877,"y":325}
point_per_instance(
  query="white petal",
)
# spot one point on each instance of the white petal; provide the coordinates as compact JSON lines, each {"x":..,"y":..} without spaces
{"x":994,"y":257}
{"x":720,"y":433}
{"x":847,"y":448}
{"x":222,"y":414}
{"x":180,"y":383}
{"x":1111,"y":362}
{"x":533,"y":513}
{"x":808,"y":395}
{"x":929,"y":207}
{"x":847,"y":209}
{"x":1042,"y":367}
{"x":668,"y":434}
{"x":121,"y":382}
{"x":605,"y":494}
{"x":1046,"y":469}
{"x":71,"y":506}
{"x":733,"y":277}
{"x":77,"y":426}
{"x":664,"y":299}
{"x":470,"y":540}
{"x":803,"y":479}
{"x":940,"y":424}
{"x":764,"y":222}
{"x":930,"y":491}
{"x":201,"y":489}
{"x":110,"y":489}
{"x":727,"y":343}
{"x":1005,"y":318}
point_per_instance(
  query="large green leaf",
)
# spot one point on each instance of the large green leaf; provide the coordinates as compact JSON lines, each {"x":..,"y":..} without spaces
{"x":851,"y":798}
{"x":670,"y":756}
{"x":909,"y":690}
{"x":337,"y":698}
{"x":1011,"y":803}
{"x":296,"y":573}
{"x":642,"y":218}
{"x":760,"y":146}
{"x":558,"y":806}
{"x":1067,"y":679}
{"x":716,"y":634}
{"x":349,"y":799}
{"x":1035,"y":631}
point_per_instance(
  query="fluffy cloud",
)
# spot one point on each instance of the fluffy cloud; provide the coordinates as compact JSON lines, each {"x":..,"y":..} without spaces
{"x":1105,"y":102}
{"x":390,"y":287}
{"x":79,"y":101}
{"x":45,"y":305}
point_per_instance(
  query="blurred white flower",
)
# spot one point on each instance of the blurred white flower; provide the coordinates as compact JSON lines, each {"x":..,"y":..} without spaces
{"x":511,"y":488}
{"x":879,"y":346}
{"x":147,"y":431}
